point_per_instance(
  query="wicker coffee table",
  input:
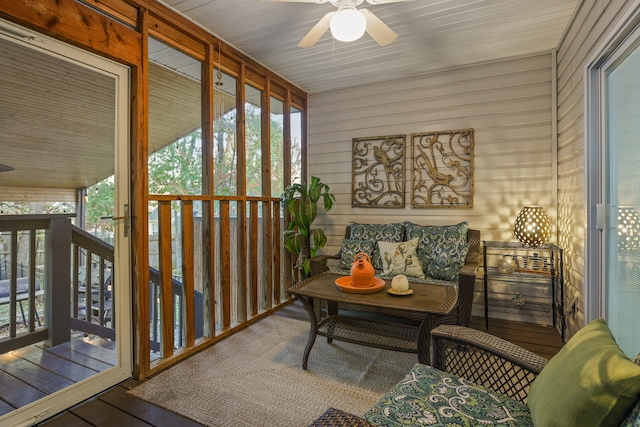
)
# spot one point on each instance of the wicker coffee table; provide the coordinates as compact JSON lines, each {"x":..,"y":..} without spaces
{"x":375,"y":327}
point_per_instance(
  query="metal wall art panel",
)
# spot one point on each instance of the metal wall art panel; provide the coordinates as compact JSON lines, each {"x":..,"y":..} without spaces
{"x":442,"y":169}
{"x":378,"y":172}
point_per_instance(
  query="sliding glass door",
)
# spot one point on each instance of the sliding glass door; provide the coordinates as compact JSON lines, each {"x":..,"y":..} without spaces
{"x":621,"y":183}
{"x":64,"y":225}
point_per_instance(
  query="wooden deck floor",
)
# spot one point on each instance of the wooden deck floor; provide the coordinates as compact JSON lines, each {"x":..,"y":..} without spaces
{"x":32,"y":372}
{"x":119,"y":408}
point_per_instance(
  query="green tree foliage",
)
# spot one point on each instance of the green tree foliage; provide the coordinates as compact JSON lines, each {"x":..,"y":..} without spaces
{"x":100,"y":204}
{"x":177,"y":168}
{"x":225,"y":155}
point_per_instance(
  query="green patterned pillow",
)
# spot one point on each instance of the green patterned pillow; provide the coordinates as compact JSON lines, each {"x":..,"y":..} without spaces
{"x":392,"y":232}
{"x":446,"y":264}
{"x":430,"y":397}
{"x":400,"y":258}
{"x":590,"y":382}
{"x":442,"y":249}
{"x":352,"y":247}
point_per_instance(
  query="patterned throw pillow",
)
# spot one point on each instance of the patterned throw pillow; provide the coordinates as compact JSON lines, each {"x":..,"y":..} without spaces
{"x":442,"y":249}
{"x":400,"y":258}
{"x":393,"y":232}
{"x":446,"y":264}
{"x":352,"y":247}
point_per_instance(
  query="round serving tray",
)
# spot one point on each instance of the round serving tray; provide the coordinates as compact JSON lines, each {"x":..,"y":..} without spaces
{"x":344,"y":284}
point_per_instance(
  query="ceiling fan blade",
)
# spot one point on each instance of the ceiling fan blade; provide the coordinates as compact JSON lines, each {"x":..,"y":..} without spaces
{"x":317,"y":31}
{"x":5,"y":168}
{"x":379,"y":1}
{"x":378,"y":30}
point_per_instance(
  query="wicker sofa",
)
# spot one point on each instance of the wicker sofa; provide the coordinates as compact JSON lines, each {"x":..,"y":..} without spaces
{"x":465,"y":277}
{"x":479,"y":379}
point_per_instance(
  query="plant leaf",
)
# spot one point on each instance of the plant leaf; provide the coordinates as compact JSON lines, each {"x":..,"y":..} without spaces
{"x":293,"y":241}
{"x":306,"y":266}
{"x":319,"y":239}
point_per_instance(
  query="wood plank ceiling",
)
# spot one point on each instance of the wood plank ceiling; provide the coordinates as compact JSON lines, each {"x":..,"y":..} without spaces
{"x":432,"y":35}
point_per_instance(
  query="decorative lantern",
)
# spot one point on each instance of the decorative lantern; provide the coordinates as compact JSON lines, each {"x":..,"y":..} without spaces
{"x":532,"y":226}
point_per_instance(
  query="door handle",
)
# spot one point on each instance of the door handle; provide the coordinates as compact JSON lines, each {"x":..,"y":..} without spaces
{"x":125,"y":217}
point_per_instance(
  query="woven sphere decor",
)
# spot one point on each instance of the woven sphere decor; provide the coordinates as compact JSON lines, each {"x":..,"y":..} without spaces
{"x":532,"y":226}
{"x":628,"y":228}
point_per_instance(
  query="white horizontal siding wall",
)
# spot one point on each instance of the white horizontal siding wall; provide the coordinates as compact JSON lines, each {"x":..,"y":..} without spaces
{"x":592,"y":21}
{"x":508,"y":103}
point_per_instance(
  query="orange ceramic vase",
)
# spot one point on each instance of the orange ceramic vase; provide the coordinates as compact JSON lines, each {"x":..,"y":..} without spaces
{"x":362,"y":272}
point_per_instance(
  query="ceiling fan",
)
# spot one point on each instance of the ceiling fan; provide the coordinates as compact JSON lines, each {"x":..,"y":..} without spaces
{"x":348,"y":23}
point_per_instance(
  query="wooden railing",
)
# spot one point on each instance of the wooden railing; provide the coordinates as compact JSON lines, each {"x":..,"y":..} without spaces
{"x":26,"y":234}
{"x":154,"y":298}
{"x":68,"y":272}
{"x":241,"y":271}
{"x":231,"y":269}
{"x":92,"y":291}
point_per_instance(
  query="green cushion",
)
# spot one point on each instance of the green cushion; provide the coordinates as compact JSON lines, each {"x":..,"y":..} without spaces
{"x":400,"y":258}
{"x":442,"y":249}
{"x":352,"y":247}
{"x":430,"y":397}
{"x":590,"y":382}
{"x":446,"y":264}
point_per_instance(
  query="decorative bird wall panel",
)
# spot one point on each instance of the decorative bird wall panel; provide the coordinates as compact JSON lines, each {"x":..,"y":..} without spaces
{"x":378,"y":171}
{"x":442,"y":169}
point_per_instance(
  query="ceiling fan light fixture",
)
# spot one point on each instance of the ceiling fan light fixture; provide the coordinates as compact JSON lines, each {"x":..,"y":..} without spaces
{"x":348,"y":24}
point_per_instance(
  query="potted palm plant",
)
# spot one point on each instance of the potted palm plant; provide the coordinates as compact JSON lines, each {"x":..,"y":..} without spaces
{"x":300,"y":238}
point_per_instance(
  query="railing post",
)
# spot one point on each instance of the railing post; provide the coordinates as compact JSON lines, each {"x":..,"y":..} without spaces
{"x":57,"y":281}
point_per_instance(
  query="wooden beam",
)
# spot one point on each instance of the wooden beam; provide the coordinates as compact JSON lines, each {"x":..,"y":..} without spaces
{"x":139,"y":155}
{"x":242,"y":271}
{"x":208,"y":219}
{"x":166,"y":280}
{"x":77,"y":24}
{"x":265,"y":125}
{"x":276,"y":254}
{"x":189,"y":45}
{"x":188,"y":271}
{"x":267,"y":253}
{"x":118,"y":9}
{"x":253,"y":257}
{"x":225,"y":264}
{"x":286,"y":160}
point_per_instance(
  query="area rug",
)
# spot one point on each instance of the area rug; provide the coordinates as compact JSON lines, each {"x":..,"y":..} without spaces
{"x":255,"y":378}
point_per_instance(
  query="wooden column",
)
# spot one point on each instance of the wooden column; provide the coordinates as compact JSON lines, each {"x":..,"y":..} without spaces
{"x":208,"y":220}
{"x":166,"y":279}
{"x":57,"y":279}
{"x":187,"y":273}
